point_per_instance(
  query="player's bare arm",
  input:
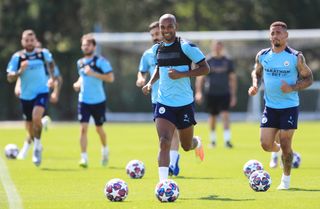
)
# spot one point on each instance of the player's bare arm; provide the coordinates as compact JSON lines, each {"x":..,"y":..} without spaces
{"x":51,"y":80}
{"x":256,"y":76}
{"x":141,"y":79}
{"x":12,"y":77}
{"x":77,"y":84}
{"x":233,"y":89}
{"x":146,"y":89}
{"x":305,"y":77}
{"x":202,"y":69}
{"x":199,"y":85}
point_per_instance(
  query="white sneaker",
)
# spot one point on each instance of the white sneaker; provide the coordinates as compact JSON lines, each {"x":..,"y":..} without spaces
{"x":83,"y":163}
{"x":104,"y":160}
{"x":283,"y":186}
{"x":45,"y":122}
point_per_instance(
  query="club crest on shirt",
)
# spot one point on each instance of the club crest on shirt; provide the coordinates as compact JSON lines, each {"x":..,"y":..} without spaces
{"x":286,"y":63}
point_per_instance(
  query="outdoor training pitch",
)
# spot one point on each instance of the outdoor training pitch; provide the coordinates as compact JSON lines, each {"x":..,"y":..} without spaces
{"x":218,"y":182}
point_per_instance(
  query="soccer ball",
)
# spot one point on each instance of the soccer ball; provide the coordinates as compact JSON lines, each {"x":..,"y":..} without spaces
{"x":167,"y":191}
{"x":296,"y":160}
{"x":135,"y":169}
{"x":260,"y":181}
{"x":116,"y":190}
{"x":251,"y":166}
{"x":11,"y":151}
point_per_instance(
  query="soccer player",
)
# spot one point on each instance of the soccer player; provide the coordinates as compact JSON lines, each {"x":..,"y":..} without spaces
{"x":93,"y":71}
{"x":147,"y":66}
{"x":175,"y":108}
{"x":284,"y":72}
{"x":29,"y":64}
{"x":220,"y":91}
{"x":54,"y":98}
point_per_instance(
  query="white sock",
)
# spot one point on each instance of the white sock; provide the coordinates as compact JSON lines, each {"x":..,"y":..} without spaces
{"x":163,"y":173}
{"x":25,"y":147}
{"x":37,"y":143}
{"x":285,"y":179}
{"x":173,"y":157}
{"x":227,"y":135}
{"x":84,"y":156}
{"x":274,"y":155}
{"x":213,"y":136}
{"x":104,"y":150}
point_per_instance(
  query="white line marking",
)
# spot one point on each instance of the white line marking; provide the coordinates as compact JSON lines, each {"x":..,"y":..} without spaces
{"x":14,"y":199}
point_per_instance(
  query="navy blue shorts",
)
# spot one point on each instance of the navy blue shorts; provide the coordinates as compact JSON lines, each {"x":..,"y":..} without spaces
{"x":280,"y":118}
{"x":96,"y":110}
{"x":182,"y":117}
{"x":216,"y":104}
{"x":28,"y":105}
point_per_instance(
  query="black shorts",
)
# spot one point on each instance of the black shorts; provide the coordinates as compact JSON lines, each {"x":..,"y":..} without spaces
{"x":216,"y":104}
{"x":28,"y":105}
{"x":96,"y":110}
{"x":280,"y":118}
{"x":182,"y":117}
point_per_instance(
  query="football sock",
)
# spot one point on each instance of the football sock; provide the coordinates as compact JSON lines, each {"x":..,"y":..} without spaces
{"x":213,"y":136}
{"x":37,"y":143}
{"x":105,"y":150}
{"x":163,"y":173}
{"x":25,"y":147}
{"x":84,"y":156}
{"x":274,"y":155}
{"x":173,"y":157}
{"x":227,"y":135}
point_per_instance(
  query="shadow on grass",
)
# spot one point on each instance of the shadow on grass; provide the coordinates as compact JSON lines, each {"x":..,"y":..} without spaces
{"x":115,"y":168}
{"x":302,"y":190}
{"x":192,"y":177}
{"x":217,"y":198}
{"x":60,"y":169}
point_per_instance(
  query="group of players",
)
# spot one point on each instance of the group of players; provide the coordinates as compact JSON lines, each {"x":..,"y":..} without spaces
{"x":171,"y":60}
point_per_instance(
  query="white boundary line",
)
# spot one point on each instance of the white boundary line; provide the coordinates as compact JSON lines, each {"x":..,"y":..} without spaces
{"x":14,"y":199}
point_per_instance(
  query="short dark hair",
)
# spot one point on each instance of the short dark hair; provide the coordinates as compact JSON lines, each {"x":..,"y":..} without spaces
{"x":89,"y":37}
{"x":279,"y":23}
{"x":28,"y":32}
{"x":154,"y":25}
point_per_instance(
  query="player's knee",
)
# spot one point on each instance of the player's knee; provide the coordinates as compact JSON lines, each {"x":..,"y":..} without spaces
{"x":186,"y":147}
{"x":266,"y":146}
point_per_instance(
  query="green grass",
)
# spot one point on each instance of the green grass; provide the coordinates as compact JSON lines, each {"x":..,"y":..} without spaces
{"x":218,"y":182}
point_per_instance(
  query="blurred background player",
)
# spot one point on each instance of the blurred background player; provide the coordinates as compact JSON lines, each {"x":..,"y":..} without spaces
{"x":93,"y":71}
{"x":54,"y":98}
{"x":220,"y":87}
{"x":30,"y":64}
{"x":284,"y":72}
{"x":175,"y":102}
{"x":147,"y":66}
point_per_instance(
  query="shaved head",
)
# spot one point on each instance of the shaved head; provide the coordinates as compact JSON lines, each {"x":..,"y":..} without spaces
{"x":168,"y":16}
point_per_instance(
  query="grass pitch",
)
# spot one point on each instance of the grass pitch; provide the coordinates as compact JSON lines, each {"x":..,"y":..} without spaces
{"x":218,"y":182}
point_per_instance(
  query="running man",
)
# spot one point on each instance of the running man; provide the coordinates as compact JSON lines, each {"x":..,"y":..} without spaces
{"x":93,"y":71}
{"x":147,"y":66}
{"x":284,"y":72}
{"x":175,"y":102}
{"x":30,"y":64}
{"x":53,"y":98}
